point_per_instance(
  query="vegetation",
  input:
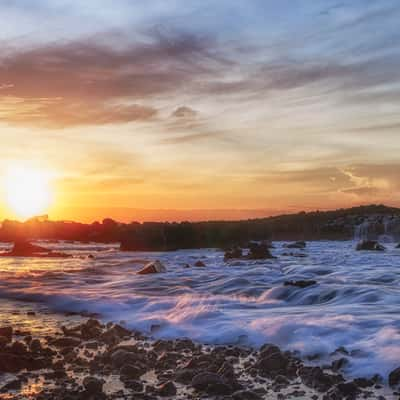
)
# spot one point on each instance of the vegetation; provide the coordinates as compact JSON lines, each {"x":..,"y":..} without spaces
{"x":327,"y":225}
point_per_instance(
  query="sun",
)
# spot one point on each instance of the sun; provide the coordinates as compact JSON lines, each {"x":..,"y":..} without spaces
{"x":27,"y":190}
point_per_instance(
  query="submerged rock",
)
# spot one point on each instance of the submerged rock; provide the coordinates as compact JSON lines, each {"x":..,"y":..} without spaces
{"x":154,"y":267}
{"x":301,"y":284}
{"x":199,"y":264}
{"x":371,"y":245}
{"x":296,"y":245}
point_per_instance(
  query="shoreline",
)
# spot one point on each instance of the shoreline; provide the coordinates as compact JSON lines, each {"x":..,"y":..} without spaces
{"x":86,"y":359}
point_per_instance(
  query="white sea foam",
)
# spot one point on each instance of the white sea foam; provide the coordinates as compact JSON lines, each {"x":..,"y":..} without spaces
{"x":355,"y":303}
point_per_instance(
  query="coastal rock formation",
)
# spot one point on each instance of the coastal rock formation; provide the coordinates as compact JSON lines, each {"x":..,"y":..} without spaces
{"x":154,"y":267}
{"x":394,"y":377}
{"x":371,"y":245}
{"x":23,"y":248}
{"x":257,"y":251}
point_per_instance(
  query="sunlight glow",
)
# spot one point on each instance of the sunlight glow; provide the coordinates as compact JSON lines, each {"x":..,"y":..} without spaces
{"x":27,"y":190}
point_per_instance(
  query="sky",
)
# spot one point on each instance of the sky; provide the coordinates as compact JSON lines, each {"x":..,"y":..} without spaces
{"x":201,"y":109}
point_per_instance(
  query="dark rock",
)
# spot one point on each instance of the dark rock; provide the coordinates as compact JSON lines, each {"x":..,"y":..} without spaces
{"x":93,"y":386}
{"x":315,"y":378}
{"x":204,"y":379}
{"x":339,"y":364}
{"x":246,"y":395}
{"x":65,"y":342}
{"x":130,"y":371}
{"x":167,"y":389}
{"x":371,"y":245}
{"x":7,"y":332}
{"x":259,"y":251}
{"x":394,"y":377}
{"x":273,"y":364}
{"x":15,"y":384}
{"x":199,"y":264}
{"x":301,"y":284}
{"x":235,"y":252}
{"x":154,"y":267}
{"x":296,"y":245}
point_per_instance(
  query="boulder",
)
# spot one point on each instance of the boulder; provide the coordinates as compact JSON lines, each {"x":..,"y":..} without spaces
{"x":93,"y":386}
{"x":235,"y":252}
{"x":6,"y":332}
{"x":394,"y":377}
{"x":371,"y":245}
{"x":259,"y":251}
{"x":154,"y":267}
{"x":23,"y":248}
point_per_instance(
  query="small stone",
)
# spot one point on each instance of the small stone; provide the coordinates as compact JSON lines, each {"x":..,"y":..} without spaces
{"x":93,"y":385}
{"x":167,"y":389}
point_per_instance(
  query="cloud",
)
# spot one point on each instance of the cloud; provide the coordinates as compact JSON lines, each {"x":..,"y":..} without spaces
{"x":92,"y":82}
{"x":184,"y":112}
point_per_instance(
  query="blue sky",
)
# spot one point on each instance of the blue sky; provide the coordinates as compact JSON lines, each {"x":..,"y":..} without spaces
{"x":205,"y":104}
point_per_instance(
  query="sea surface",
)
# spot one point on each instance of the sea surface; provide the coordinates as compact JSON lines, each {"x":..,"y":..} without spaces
{"x":355,"y":303}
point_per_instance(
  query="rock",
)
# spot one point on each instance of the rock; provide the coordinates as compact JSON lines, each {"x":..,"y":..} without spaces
{"x":93,"y":386}
{"x":129,"y":371}
{"x":394,"y":377}
{"x":203,"y":380}
{"x":371,"y":245}
{"x":154,"y":267}
{"x":15,"y":384}
{"x":259,"y":251}
{"x":3,"y":342}
{"x":246,"y":395}
{"x":23,"y":248}
{"x":301,"y":284}
{"x":273,"y":364}
{"x":296,"y":245}
{"x":339,"y":364}
{"x":114,"y":334}
{"x":235,"y":252}
{"x":199,"y":264}
{"x":91,"y":329}
{"x":7,"y":332}
{"x":18,"y":348}
{"x":65,"y":342}
{"x":167,"y":389}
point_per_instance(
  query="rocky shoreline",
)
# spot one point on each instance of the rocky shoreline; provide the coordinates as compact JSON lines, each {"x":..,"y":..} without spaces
{"x":90,"y":360}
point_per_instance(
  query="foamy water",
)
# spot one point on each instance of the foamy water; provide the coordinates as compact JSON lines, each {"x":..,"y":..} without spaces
{"x":355,"y":303}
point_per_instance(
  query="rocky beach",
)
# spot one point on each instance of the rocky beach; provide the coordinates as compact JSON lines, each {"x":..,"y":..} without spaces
{"x":308,"y":320}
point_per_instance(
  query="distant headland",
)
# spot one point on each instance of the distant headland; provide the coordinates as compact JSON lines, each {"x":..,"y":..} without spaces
{"x":340,"y":224}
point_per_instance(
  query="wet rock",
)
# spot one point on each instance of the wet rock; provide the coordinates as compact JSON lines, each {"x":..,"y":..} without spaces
{"x":339,"y":364}
{"x":15,"y":384}
{"x":114,"y":334}
{"x":314,"y":377}
{"x":167,"y":389}
{"x":371,"y":245}
{"x":234,"y":253}
{"x":272,"y":364}
{"x":259,"y":251}
{"x":301,"y":284}
{"x":65,"y":342}
{"x":394,"y":377}
{"x":246,"y":395}
{"x":199,"y":264}
{"x":205,"y":379}
{"x":18,"y":348}
{"x":130,"y":371}
{"x":296,"y":245}
{"x":6,"y":332}
{"x":91,"y":329}
{"x":154,"y":267}
{"x":3,"y":342}
{"x":92,"y":385}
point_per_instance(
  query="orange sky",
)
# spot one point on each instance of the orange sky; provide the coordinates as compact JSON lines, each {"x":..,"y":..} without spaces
{"x":159,"y":112}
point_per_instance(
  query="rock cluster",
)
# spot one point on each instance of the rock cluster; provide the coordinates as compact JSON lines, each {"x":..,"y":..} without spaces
{"x":82,"y":358}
